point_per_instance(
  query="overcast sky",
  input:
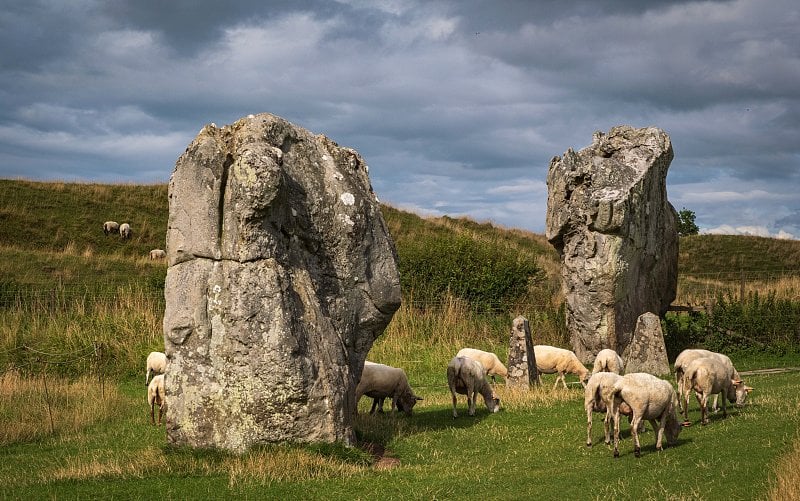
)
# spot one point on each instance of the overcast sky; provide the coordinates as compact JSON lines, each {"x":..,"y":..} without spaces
{"x":457,"y":106}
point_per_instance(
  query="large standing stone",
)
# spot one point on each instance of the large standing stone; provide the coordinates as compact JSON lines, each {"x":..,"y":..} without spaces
{"x":281,"y":275}
{"x":647,"y":351}
{"x":609,"y":218}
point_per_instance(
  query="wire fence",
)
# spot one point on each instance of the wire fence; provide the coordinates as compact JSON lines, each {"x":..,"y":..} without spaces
{"x":34,"y":360}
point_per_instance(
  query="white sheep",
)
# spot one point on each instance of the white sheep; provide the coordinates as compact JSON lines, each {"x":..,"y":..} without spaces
{"x":608,"y":360}
{"x":156,"y":364}
{"x":684,"y":359}
{"x":380,"y":381}
{"x":552,"y":360}
{"x":156,"y":396}
{"x":110,"y":227}
{"x":157,"y":254}
{"x":649,"y":398}
{"x":711,"y":376}
{"x":125,"y":231}
{"x":599,"y":387}
{"x":490,"y":362}
{"x":468,"y":377}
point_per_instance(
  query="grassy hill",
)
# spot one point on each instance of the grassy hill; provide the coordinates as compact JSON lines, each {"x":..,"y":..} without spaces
{"x":51,"y":233}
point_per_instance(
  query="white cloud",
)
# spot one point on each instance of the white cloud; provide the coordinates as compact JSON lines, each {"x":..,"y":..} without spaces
{"x":755,"y":231}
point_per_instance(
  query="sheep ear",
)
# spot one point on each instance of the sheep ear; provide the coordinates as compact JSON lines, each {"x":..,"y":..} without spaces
{"x":748,"y":389}
{"x":736,"y":382}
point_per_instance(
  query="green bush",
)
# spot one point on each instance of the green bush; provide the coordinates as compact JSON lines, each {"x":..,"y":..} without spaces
{"x":487,"y":276}
{"x":757,"y":324}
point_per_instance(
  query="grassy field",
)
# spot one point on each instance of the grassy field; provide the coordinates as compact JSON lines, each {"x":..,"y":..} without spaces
{"x":79,"y":311}
{"x":534,"y":447}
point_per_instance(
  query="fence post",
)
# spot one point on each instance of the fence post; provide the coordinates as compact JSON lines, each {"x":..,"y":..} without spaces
{"x":741,"y":285}
{"x":47,"y":399}
{"x":99,"y":367}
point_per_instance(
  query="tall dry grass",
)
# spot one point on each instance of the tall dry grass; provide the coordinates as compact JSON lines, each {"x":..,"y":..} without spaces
{"x":261,"y":466}
{"x":424,"y":339}
{"x":38,"y":406}
{"x":786,"y":482}
{"x":702,"y":289}
{"x":74,"y":331}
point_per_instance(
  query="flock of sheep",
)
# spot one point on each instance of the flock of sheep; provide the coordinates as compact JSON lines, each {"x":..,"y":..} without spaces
{"x":640,"y":396}
{"x":112,"y":227}
{"x":125,"y":233}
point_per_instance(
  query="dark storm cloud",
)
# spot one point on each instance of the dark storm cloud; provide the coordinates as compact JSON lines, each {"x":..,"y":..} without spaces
{"x":457,"y":106}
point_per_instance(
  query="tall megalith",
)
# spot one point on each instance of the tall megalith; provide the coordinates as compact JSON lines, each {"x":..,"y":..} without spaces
{"x":609,"y":218}
{"x":281,"y":275}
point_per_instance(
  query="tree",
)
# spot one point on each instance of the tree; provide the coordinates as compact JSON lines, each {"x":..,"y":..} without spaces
{"x":686,"y":224}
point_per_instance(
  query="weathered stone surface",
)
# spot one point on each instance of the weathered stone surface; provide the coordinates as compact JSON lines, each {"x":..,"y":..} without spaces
{"x":647,"y":352}
{"x":281,"y":275}
{"x":609,"y":218}
{"x":522,"y":371}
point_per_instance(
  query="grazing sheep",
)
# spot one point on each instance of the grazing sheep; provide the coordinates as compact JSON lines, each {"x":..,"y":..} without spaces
{"x":156,"y":396}
{"x":710,"y":376}
{"x":490,"y":362}
{"x":380,"y":381}
{"x":685,"y":358}
{"x":468,"y":377}
{"x":551,"y":360}
{"x":649,"y":398}
{"x":156,"y":364}
{"x":110,"y":227}
{"x":607,"y":360}
{"x":125,"y":231}
{"x":600,"y":384}
{"x":157,"y":254}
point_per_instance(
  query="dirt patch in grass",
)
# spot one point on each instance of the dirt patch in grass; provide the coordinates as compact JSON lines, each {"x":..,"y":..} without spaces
{"x":383,"y":459}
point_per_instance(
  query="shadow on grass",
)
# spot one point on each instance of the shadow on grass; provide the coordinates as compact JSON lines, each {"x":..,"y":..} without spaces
{"x":383,"y":428}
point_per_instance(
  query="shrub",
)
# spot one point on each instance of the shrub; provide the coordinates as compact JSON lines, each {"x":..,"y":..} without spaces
{"x":487,"y":276}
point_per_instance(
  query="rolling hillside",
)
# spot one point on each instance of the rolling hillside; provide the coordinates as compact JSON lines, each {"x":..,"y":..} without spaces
{"x":51,"y":233}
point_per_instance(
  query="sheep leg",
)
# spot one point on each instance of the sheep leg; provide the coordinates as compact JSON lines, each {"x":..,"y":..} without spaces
{"x":453,"y":393}
{"x":160,"y":409}
{"x":659,"y":430}
{"x":374,"y":405}
{"x":471,"y":400}
{"x":702,"y":399}
{"x":724,"y":405}
{"x":147,"y":376}
{"x":684,"y":400}
{"x":152,"y":412}
{"x":616,"y":428}
{"x":589,"y":410}
{"x":637,"y":451}
{"x":559,"y":375}
{"x":716,"y":407}
{"x":679,"y":380}
{"x":606,"y":426}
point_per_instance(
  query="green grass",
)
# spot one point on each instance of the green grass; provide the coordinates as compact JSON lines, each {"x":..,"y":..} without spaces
{"x":534,"y":447}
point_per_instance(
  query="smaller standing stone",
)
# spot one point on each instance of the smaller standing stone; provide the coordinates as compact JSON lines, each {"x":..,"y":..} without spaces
{"x":647,"y":351}
{"x":522,"y":369}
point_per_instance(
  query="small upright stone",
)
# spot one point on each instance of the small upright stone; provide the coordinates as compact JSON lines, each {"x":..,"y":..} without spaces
{"x":647,"y":351}
{"x":522,"y":371}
